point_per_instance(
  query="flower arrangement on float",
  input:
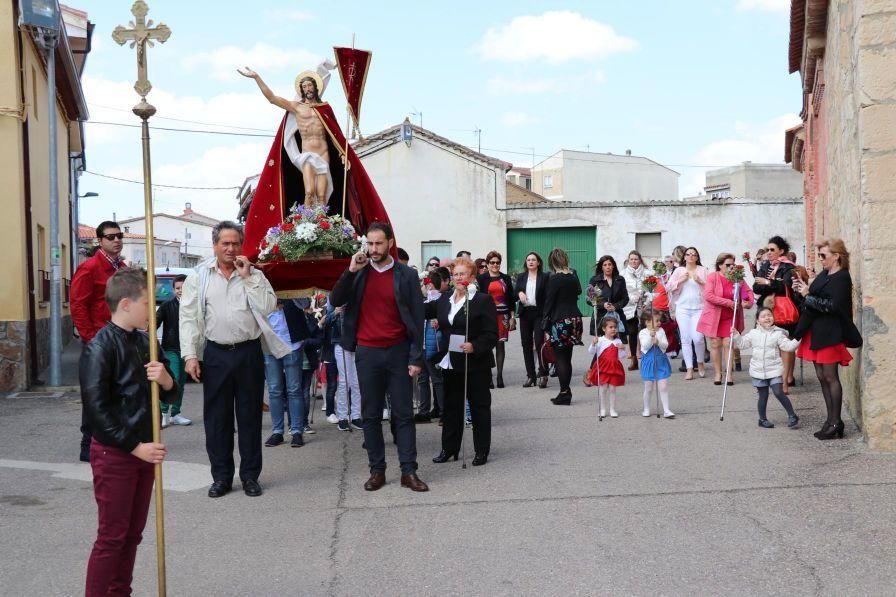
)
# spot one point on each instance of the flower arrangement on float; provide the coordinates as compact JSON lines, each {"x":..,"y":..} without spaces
{"x":310,"y":233}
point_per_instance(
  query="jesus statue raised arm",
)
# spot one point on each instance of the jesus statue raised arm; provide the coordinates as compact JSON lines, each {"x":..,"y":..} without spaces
{"x":309,"y":151}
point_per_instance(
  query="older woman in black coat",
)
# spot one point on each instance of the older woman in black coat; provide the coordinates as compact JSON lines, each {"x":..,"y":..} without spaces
{"x":466,"y":362}
{"x":826,"y":328}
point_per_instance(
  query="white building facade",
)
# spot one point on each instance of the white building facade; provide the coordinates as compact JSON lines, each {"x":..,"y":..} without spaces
{"x":192,"y":231}
{"x":603,"y":177}
{"x":441,"y":197}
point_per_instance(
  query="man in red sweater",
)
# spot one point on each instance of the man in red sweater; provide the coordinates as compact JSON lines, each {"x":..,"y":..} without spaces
{"x":383,"y":325}
{"x":88,"y":297}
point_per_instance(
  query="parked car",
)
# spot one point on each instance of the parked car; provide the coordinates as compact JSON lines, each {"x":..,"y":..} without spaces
{"x":165,"y":281}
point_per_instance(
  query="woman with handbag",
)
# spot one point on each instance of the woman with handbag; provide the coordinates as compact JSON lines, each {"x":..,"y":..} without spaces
{"x":773,"y":288}
{"x":562,"y":321}
{"x":826,"y":328}
{"x":530,"y":288}
{"x":499,"y":285}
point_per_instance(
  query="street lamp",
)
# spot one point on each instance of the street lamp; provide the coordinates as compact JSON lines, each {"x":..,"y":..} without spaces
{"x":88,"y":194}
{"x":43,"y":17}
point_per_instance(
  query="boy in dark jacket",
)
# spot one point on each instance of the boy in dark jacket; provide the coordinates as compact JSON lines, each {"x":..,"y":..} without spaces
{"x":115,"y":374}
{"x":168,"y":316}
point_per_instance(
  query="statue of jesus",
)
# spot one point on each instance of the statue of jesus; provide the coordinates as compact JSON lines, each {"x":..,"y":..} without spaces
{"x":312,"y":158}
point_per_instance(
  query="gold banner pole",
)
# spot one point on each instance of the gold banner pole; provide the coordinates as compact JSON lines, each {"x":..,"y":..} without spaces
{"x":145,"y":111}
{"x":141,"y":34}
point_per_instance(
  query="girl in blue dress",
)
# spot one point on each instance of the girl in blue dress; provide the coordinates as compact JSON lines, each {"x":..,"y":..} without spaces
{"x":655,"y":366}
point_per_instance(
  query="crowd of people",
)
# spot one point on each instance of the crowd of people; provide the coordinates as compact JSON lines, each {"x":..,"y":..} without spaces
{"x":389,"y":339}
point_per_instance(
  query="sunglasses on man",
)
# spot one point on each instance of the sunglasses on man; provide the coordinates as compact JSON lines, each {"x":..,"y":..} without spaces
{"x":116,"y":236}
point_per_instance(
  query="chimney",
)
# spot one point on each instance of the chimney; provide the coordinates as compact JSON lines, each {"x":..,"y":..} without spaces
{"x":628,"y":152}
{"x":188,"y":208}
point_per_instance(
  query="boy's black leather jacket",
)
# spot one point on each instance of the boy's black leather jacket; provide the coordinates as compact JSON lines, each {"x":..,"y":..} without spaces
{"x":114,"y":388}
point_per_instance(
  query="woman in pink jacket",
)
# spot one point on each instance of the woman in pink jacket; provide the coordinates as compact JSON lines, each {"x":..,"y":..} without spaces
{"x":685,"y":287}
{"x":718,"y":312}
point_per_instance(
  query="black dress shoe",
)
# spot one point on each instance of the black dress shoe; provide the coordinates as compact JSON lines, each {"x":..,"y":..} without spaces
{"x":529,"y":382}
{"x":418,"y":418}
{"x":297,"y":441}
{"x":480,"y":459}
{"x":219,"y":489}
{"x":444,"y":457}
{"x":252,"y":488}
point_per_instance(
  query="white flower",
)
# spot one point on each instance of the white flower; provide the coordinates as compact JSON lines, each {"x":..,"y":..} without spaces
{"x":306,"y":232}
{"x":364,"y":248}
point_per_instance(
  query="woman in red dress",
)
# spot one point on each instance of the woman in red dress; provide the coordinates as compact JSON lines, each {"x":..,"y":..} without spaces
{"x":826,"y":328}
{"x":500,"y":287}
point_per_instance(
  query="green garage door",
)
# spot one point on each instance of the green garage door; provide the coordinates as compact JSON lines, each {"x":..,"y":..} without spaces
{"x":579,"y":243}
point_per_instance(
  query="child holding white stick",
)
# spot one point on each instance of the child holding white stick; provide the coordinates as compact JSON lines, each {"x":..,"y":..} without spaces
{"x":766,"y":365}
{"x":655,"y":366}
{"x":607,"y":373}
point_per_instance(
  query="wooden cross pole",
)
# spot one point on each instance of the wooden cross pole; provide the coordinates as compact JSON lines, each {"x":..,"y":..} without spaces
{"x":142,"y":33}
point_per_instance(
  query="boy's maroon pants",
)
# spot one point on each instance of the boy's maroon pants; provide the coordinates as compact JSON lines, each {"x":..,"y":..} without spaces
{"x":122,"y":484}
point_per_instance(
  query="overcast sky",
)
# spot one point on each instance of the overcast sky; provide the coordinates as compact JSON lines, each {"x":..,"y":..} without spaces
{"x":691,"y":84}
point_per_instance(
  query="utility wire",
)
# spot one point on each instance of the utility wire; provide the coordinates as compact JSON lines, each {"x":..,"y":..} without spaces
{"x":162,"y":128}
{"x":494,"y":149}
{"x":230,"y":126}
{"x":163,"y":186}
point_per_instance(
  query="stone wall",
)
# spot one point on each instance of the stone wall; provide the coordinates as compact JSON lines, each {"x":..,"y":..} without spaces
{"x":13,"y":355}
{"x":858,"y":196}
{"x":15,"y":360}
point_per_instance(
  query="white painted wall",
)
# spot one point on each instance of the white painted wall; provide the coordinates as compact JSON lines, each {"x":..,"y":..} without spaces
{"x":713,"y":227}
{"x":169,"y":228}
{"x":597,"y":177}
{"x":433,"y":193}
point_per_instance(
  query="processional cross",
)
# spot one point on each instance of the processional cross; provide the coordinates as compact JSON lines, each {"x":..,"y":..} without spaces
{"x":140,"y":34}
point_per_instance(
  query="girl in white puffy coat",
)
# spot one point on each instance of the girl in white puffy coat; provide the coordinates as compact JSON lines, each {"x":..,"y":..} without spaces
{"x":766,"y":365}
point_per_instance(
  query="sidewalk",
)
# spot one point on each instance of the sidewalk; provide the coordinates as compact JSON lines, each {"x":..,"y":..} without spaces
{"x":565,"y":506}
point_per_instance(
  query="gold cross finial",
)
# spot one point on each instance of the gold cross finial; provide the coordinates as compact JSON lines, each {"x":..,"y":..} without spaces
{"x":140,"y":34}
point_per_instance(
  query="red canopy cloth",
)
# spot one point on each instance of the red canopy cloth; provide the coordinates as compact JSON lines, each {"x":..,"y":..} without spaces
{"x":280,"y":186}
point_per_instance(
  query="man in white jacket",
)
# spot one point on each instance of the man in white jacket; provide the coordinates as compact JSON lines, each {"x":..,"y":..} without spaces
{"x":223,"y":318}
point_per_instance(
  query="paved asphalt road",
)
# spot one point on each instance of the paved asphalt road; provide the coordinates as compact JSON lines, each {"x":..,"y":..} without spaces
{"x":566,"y":505}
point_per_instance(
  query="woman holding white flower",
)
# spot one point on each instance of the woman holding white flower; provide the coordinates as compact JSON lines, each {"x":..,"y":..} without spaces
{"x":468,"y":321}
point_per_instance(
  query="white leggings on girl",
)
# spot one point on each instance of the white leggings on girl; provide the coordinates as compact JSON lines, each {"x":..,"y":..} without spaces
{"x":605,"y":391}
{"x":664,"y":395}
{"x":687,"y":326}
